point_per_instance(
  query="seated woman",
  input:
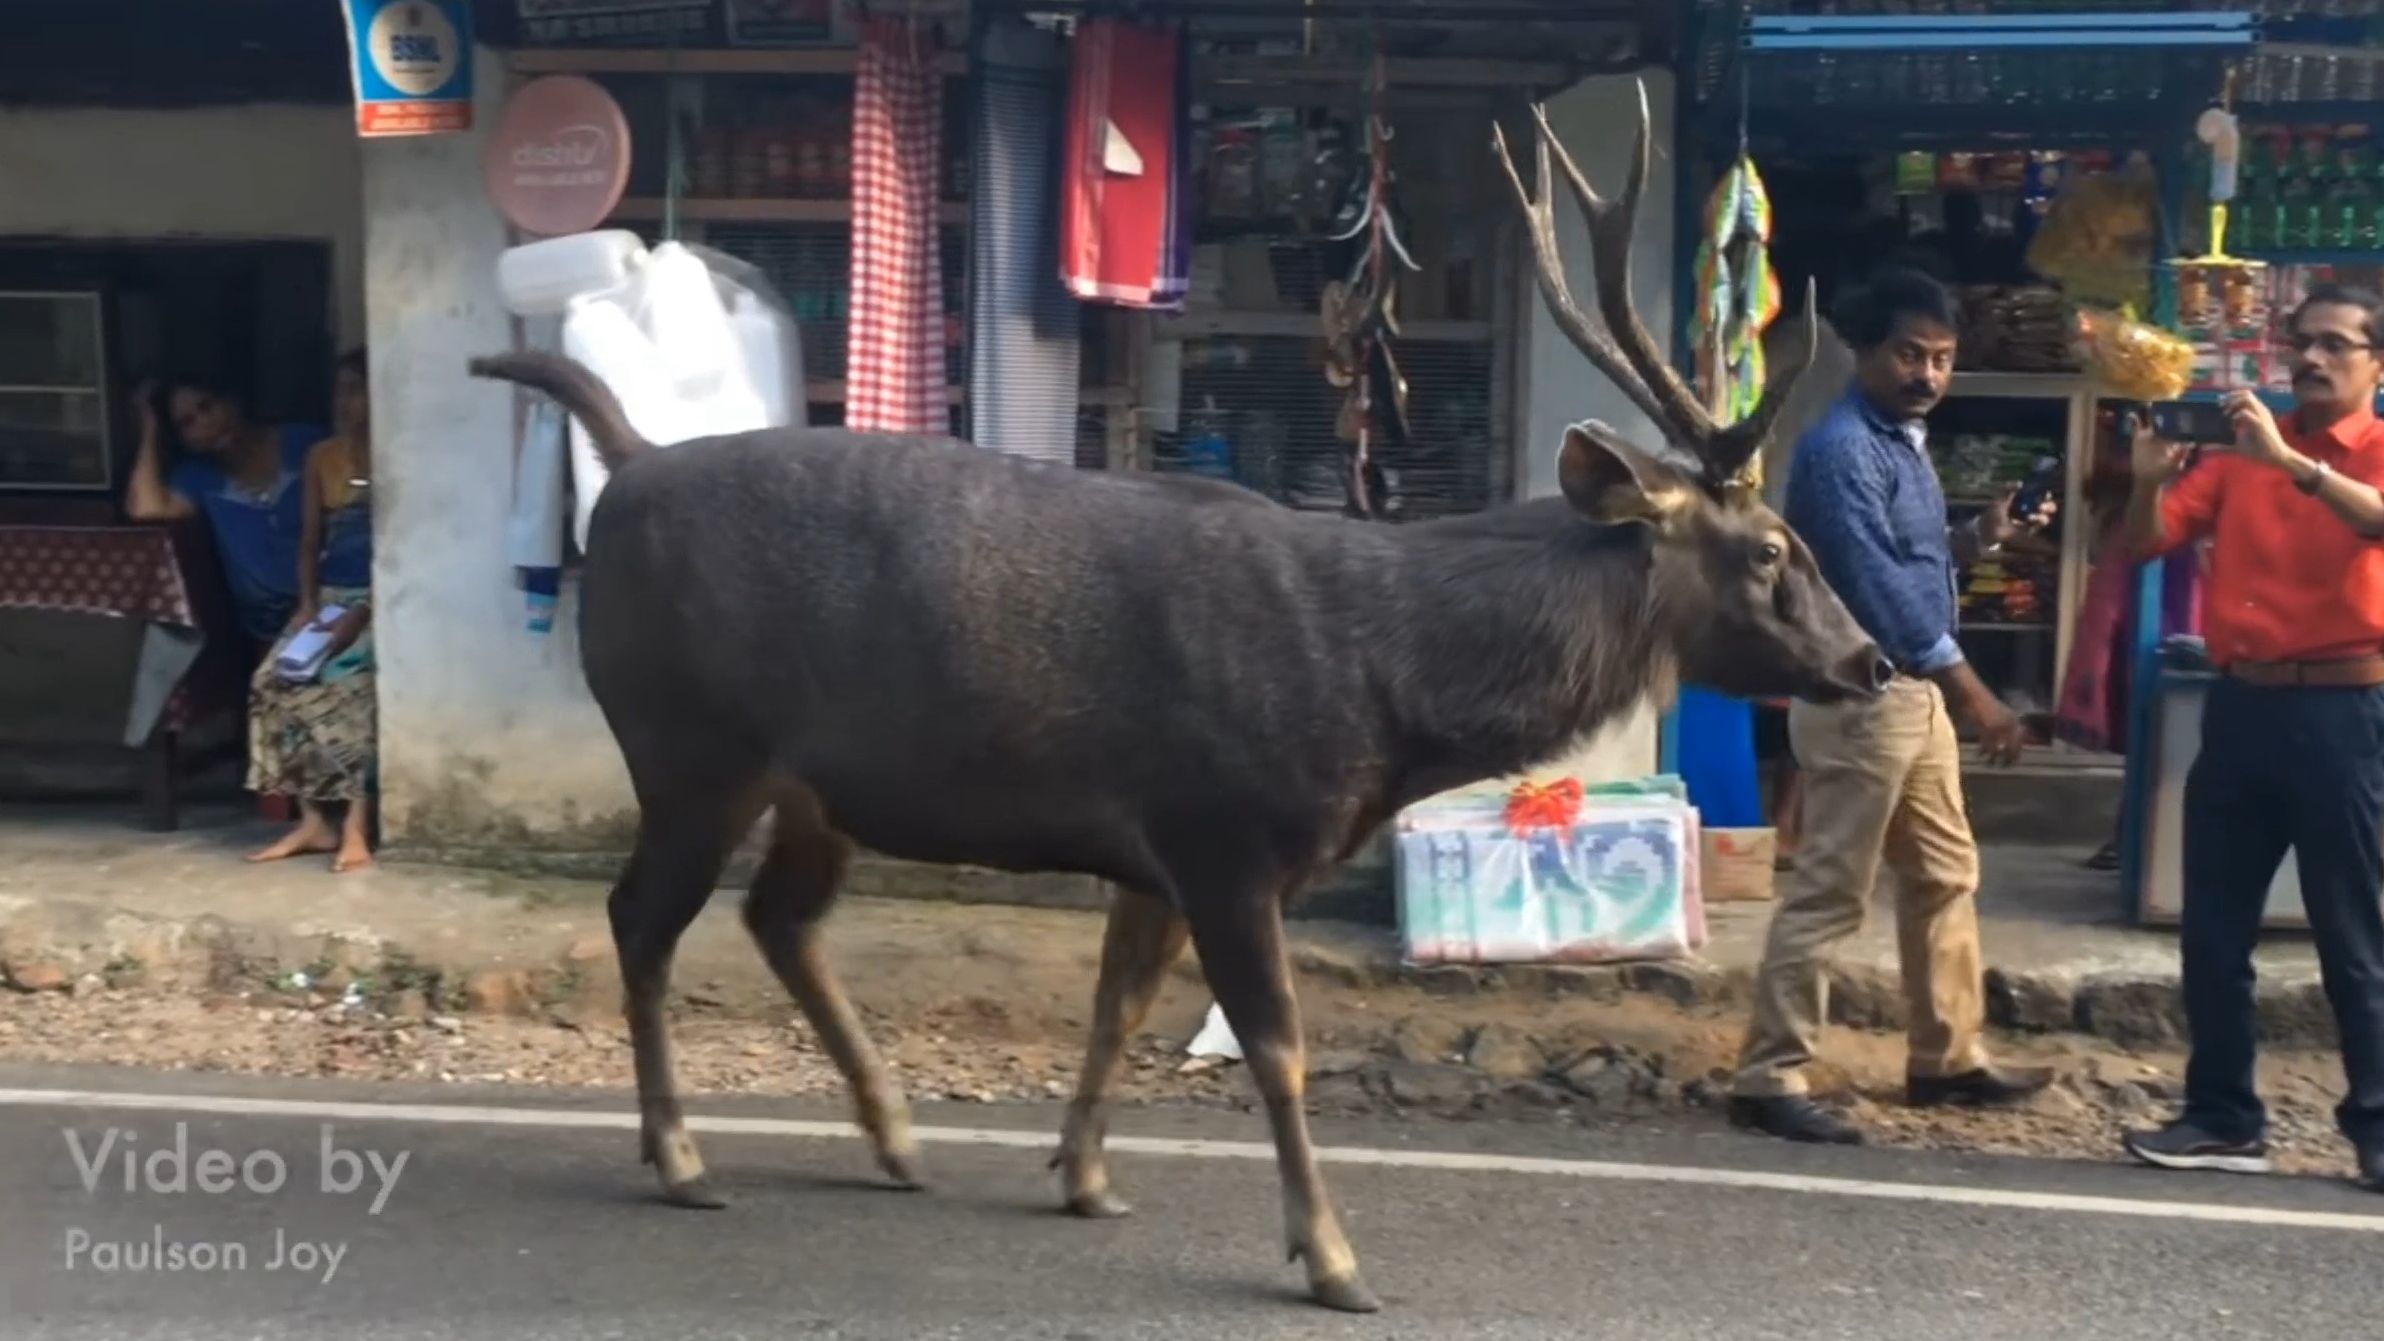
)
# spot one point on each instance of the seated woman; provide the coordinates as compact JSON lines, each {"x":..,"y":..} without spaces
{"x":242,"y":476}
{"x":311,"y":727}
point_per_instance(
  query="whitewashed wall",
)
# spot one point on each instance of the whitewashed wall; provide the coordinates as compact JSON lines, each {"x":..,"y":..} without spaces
{"x":1594,"y":120}
{"x":488,"y":736}
{"x":245,"y":173}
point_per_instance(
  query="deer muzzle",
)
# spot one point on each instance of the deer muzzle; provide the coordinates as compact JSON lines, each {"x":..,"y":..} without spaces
{"x":1865,"y":673}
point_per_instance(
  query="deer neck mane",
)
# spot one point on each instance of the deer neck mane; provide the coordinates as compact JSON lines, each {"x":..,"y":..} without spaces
{"x":1500,"y":641}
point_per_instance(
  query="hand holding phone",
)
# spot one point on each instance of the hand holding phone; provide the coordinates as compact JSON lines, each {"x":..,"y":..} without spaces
{"x":2154,"y":456}
{"x":2193,"y":422}
{"x":2029,"y":501}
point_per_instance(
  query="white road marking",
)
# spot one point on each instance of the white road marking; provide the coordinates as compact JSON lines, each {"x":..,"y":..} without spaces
{"x":1192,"y":1148}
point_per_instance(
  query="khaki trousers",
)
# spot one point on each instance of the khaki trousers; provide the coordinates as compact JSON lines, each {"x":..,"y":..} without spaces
{"x":1883,"y":783}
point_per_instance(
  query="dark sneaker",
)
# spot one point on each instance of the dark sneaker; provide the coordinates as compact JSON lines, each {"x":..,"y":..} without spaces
{"x":2182,"y":1145}
{"x":2371,"y":1167}
{"x":1793,"y":1118}
{"x":1987,"y":1087}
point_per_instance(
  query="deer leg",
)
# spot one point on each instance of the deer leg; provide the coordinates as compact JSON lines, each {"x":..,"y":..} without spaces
{"x":790,"y":894}
{"x":666,"y":883}
{"x":1144,"y":936}
{"x":1240,"y":942}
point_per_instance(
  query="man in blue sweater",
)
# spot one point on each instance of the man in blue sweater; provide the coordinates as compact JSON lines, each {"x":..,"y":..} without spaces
{"x":1883,"y":779}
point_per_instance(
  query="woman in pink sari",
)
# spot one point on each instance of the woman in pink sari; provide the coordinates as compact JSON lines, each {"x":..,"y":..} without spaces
{"x":2094,"y":694}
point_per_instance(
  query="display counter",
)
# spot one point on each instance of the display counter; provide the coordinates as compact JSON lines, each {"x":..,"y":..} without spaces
{"x":2172,"y":743}
{"x":2165,"y":737}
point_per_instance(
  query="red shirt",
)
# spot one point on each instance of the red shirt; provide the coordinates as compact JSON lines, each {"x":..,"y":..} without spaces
{"x":2289,"y":580}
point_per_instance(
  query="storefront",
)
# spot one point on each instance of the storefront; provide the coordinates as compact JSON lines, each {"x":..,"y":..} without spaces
{"x":739,"y":121}
{"x":2046,"y":163}
{"x":741,"y":135}
{"x":180,"y":196}
{"x":2310,"y":206}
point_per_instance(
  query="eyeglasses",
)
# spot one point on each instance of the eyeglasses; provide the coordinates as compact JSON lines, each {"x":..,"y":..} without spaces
{"x":2329,"y":344}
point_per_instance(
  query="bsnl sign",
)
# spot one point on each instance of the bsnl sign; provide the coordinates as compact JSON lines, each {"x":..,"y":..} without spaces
{"x":411,"y":62}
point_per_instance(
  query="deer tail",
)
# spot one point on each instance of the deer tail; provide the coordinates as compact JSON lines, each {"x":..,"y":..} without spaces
{"x":579,"y":391}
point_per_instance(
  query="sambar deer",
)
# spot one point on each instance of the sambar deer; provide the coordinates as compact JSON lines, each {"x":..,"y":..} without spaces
{"x":946,"y":655}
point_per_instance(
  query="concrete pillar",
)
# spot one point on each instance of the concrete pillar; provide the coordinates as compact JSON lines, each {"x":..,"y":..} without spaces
{"x":488,"y":736}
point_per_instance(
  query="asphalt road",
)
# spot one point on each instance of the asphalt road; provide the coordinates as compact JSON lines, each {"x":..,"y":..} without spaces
{"x":514,"y":1222}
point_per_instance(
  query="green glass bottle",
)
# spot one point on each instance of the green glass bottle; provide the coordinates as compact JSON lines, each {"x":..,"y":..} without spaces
{"x":2350,"y":208}
{"x":2256,"y":219}
{"x":2294,"y":204}
{"x":2371,"y":234}
{"x":2311,"y":226}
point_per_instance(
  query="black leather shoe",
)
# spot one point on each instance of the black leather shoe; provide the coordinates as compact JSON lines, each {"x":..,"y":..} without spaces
{"x":2371,"y":1167}
{"x":1793,"y":1118}
{"x":1987,"y":1087}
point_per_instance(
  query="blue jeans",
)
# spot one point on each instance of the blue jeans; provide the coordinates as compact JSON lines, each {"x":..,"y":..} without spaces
{"x":2299,"y":768}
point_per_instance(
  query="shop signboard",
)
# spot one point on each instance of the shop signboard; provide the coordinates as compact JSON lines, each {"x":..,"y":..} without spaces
{"x":784,"y":23}
{"x":411,"y":64}
{"x":558,"y":159}
{"x":559,"y":23}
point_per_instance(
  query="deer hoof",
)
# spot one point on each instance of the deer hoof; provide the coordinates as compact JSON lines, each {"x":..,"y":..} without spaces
{"x":695,"y":1194}
{"x":904,"y":1168}
{"x":1346,"y":1296}
{"x":1102,"y":1205}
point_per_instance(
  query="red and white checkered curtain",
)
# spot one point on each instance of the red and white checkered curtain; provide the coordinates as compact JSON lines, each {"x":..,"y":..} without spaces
{"x":894,"y":374}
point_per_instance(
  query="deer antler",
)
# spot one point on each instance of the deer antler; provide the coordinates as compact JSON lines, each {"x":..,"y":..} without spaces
{"x":1539,"y":214}
{"x":1630,"y":355}
{"x":1738,"y":444}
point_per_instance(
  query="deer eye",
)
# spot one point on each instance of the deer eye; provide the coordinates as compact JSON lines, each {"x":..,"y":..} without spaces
{"x":1769,"y":554}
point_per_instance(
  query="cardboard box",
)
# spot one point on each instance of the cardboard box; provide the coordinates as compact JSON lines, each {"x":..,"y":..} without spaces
{"x":1737,"y":865}
{"x":1620,"y":883}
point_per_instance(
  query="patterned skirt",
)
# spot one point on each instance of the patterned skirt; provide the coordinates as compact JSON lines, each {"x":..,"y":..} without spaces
{"x":314,"y":740}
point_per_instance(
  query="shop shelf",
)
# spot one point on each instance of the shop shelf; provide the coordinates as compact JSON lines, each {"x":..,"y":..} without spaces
{"x":700,"y":61}
{"x":1201,"y":322}
{"x":761,"y":210}
{"x":2279,"y":401}
{"x":2318,"y":256}
{"x":1976,"y":32}
{"x":832,"y":393}
{"x":1986,"y":384}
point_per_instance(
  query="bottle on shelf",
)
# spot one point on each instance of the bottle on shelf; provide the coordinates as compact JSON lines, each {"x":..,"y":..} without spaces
{"x":2293,"y":198}
{"x":2252,"y":222}
{"x":2317,"y":168}
{"x":2350,"y":205}
{"x":2371,"y":231}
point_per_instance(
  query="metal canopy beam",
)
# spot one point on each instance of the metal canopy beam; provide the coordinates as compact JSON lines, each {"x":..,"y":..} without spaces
{"x":1413,"y":11}
{"x":1975,"y":32}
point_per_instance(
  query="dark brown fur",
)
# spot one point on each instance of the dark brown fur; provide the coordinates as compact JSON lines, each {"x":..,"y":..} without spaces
{"x":946,"y":655}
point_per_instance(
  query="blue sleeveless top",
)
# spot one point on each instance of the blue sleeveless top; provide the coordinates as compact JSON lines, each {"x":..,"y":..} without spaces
{"x":346,"y":560}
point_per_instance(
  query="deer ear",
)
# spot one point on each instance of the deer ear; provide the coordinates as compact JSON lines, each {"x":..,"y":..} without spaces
{"x":1611,"y":482}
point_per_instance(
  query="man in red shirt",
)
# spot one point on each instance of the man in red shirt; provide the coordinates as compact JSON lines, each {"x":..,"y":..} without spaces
{"x":2293,"y":735}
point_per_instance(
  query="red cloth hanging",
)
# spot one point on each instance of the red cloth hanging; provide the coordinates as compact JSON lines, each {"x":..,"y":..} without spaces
{"x":894,"y":353}
{"x":1115,"y":238}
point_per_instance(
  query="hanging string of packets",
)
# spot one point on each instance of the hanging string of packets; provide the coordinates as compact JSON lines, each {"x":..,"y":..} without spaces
{"x":1738,"y":294}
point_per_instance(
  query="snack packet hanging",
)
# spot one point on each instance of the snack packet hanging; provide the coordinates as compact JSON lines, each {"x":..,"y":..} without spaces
{"x":2132,"y":359}
{"x":2099,"y":234}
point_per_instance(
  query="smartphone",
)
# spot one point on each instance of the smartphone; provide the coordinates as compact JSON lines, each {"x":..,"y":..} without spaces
{"x":2192,"y":421}
{"x":2035,"y":487}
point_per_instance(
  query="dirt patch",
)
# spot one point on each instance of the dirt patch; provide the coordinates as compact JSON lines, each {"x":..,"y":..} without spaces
{"x":1007,"y":1027}
{"x":171,"y":952}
